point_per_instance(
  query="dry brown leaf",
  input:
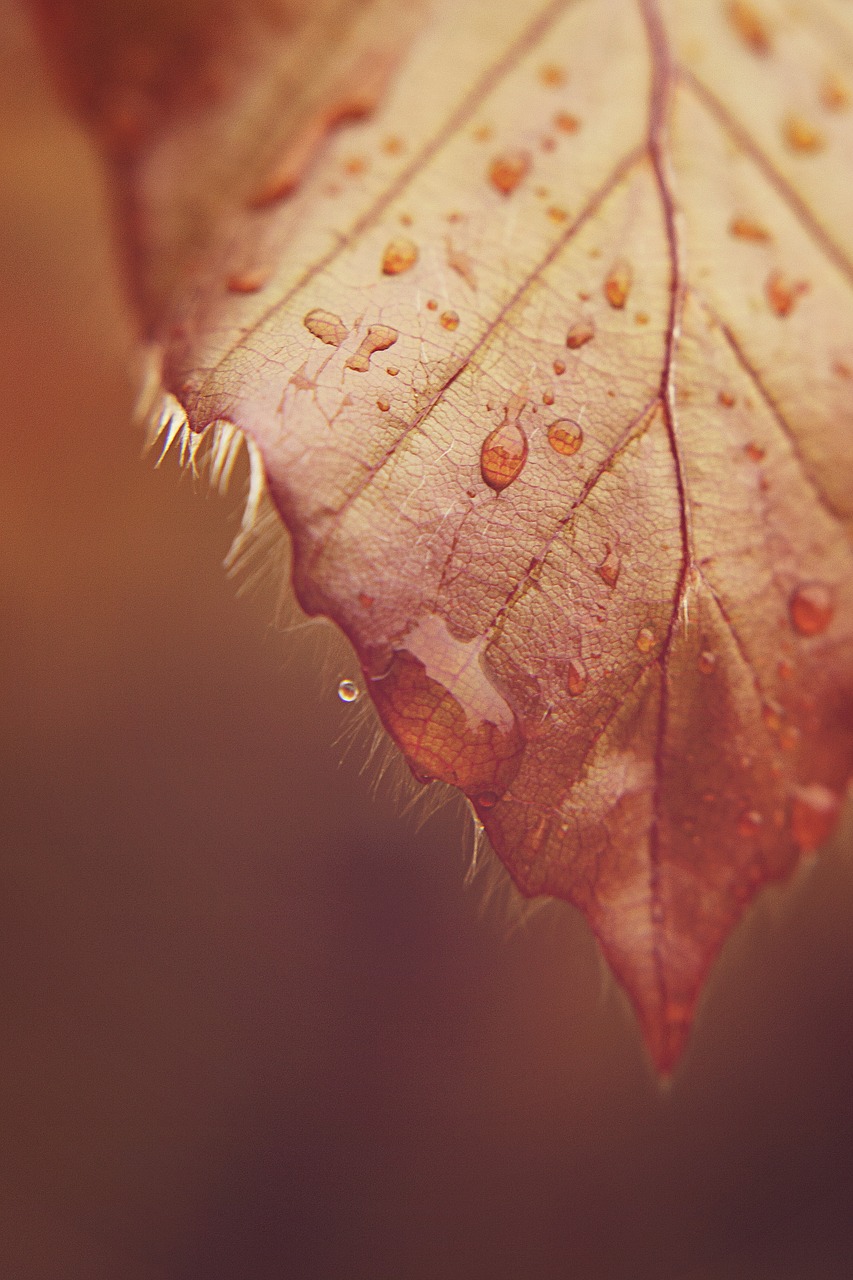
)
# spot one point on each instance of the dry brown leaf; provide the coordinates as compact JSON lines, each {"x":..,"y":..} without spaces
{"x":550,"y":363}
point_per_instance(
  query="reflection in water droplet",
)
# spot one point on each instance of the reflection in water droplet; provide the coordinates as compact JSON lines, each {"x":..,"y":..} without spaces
{"x":326,"y":326}
{"x":400,"y":255}
{"x":449,"y":320}
{"x":814,"y":813}
{"x":348,"y":691}
{"x":508,"y":169}
{"x":565,"y":437}
{"x":645,"y":641}
{"x":503,"y":455}
{"x":811,"y":608}
{"x":577,"y":678}
{"x":617,"y":286}
{"x":379,"y":337}
{"x":707,"y":662}
{"x":581,"y":332}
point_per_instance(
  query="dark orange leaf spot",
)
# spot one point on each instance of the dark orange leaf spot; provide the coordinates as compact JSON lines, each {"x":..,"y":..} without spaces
{"x":617,"y":286}
{"x":393,"y":146}
{"x":565,"y":437}
{"x":503,"y":455}
{"x":811,"y":608}
{"x":400,"y":255}
{"x":750,"y":25}
{"x":749,"y":824}
{"x":509,"y":169}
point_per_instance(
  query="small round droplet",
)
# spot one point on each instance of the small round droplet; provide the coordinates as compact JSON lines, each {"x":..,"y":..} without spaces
{"x":566,"y":122}
{"x":706,"y":663}
{"x":509,"y":169}
{"x":645,"y":640}
{"x":487,"y":799}
{"x":503,"y":455}
{"x":400,"y":255}
{"x":754,"y":452}
{"x":783,"y":293}
{"x":617,"y":286}
{"x":801,"y":135}
{"x":565,"y":437}
{"x":580,"y":334}
{"x":835,"y":92}
{"x":811,"y":608}
{"x":348,"y":691}
{"x":749,"y":824}
{"x":813,"y":816}
{"x":249,"y":281}
{"x":577,"y":678}
{"x":431,"y":305}
{"x":726,"y":399}
{"x":553,"y":75}
{"x":559,"y":368}
{"x":771,"y":714}
{"x":548,"y":397}
{"x":449,"y":320}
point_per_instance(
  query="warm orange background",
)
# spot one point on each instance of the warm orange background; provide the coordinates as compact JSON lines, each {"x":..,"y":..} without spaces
{"x":253,"y":1024}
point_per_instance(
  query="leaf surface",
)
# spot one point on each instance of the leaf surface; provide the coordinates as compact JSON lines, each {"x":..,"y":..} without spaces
{"x":550,"y":363}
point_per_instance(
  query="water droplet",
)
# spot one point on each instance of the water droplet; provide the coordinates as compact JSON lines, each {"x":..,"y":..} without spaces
{"x":553,"y":75}
{"x":617,"y":286}
{"x":509,"y":169}
{"x":355,"y":166}
{"x":348,"y":691}
{"x":726,"y":399}
{"x":559,"y":368}
{"x":706,"y":662}
{"x":645,"y":641}
{"x":566,"y":122}
{"x":565,"y":437}
{"x":449,"y":320}
{"x":802,"y":136}
{"x":431,"y":305}
{"x":785,"y":669}
{"x":754,"y":452}
{"x":379,"y":337}
{"x":749,"y":824}
{"x":503,"y":455}
{"x":813,"y":816}
{"x":326,"y":326}
{"x":400,"y":255}
{"x":556,"y":214}
{"x":811,"y":608}
{"x":393,"y":146}
{"x":383,"y":406}
{"x":835,"y":92}
{"x":580,"y":334}
{"x":249,"y":281}
{"x":366,"y":601}
{"x":486,"y":799}
{"x":392,"y":371}
{"x":749,"y":24}
{"x":548,"y":397}
{"x":789,"y":737}
{"x":577,"y":678}
{"x":610,"y":567}
{"x":483,"y":133}
{"x":771,"y":714}
{"x":746,"y":228}
{"x":783,"y":293}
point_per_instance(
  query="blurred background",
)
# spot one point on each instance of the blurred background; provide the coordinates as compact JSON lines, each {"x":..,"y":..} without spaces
{"x":253,"y":1024}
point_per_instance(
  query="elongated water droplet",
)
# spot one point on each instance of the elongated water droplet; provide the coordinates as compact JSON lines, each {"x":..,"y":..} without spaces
{"x":565,"y":437}
{"x":749,"y":24}
{"x":706,"y":662}
{"x":379,"y":337}
{"x":582,"y":332}
{"x":746,"y":228}
{"x":252,"y":280}
{"x":645,"y":641}
{"x":503,"y":455}
{"x":326,"y":326}
{"x":617,"y":286}
{"x":348,"y":691}
{"x":400,"y":255}
{"x":509,"y":169}
{"x":610,"y":567}
{"x":577,"y":678}
{"x":811,"y":608}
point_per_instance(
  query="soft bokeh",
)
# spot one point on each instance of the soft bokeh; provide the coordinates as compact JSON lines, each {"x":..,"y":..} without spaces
{"x":254,"y":1026}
